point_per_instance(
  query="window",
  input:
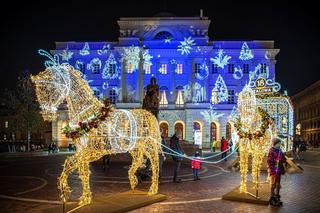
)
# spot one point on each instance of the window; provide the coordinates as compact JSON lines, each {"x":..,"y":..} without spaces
{"x":197,"y":68}
{"x":263,"y":68}
{"x":147,"y":69}
{"x":82,"y":67}
{"x":130,"y":68}
{"x":6,"y":124}
{"x":230,"y":96}
{"x":179,"y":100}
{"x":246,"y":68}
{"x":163,"y":98}
{"x":112,"y":96}
{"x":96,"y":69}
{"x":96,"y":92}
{"x":163,"y":35}
{"x":112,"y":69}
{"x":163,"y":69}
{"x":230,"y":68}
{"x":214,"y":68}
{"x":179,"y":69}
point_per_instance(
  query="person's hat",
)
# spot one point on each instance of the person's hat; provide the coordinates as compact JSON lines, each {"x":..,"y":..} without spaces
{"x":275,"y":141}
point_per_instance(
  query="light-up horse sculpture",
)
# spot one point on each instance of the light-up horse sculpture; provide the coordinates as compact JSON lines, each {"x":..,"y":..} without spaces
{"x":134,"y":131}
{"x":254,"y":130}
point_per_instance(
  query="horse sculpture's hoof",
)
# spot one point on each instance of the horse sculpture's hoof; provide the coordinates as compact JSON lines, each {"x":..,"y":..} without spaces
{"x":85,"y":200}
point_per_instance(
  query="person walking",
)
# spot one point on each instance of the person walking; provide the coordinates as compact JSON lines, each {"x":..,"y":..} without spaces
{"x":196,"y":165}
{"x":224,"y":148}
{"x":176,"y":147}
{"x":276,"y":165}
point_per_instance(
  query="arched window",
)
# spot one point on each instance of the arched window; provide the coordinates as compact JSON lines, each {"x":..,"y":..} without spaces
{"x":179,"y":96}
{"x":197,"y":133}
{"x":179,"y":127}
{"x":163,"y":35}
{"x":163,"y":96}
{"x":164,"y":128}
{"x":213,"y":132}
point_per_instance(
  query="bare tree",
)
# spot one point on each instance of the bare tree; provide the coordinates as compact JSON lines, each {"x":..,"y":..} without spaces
{"x":23,"y":108}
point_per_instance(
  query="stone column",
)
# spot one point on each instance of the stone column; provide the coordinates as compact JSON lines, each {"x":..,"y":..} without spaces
{"x":173,"y":85}
{"x":124,"y":97}
{"x":140,"y":83}
{"x":205,"y":85}
{"x":192,"y":79}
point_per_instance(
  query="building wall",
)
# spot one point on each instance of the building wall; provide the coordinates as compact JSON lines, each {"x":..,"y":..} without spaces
{"x":161,"y":40}
{"x":307,"y":112}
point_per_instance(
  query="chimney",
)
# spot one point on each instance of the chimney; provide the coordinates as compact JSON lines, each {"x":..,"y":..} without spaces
{"x":201,"y":13}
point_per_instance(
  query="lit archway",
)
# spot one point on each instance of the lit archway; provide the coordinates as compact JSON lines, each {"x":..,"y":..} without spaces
{"x":180,"y":126}
{"x":198,"y":133}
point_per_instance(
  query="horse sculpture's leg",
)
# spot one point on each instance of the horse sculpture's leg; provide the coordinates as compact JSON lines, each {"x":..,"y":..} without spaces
{"x":153,"y":156}
{"x":69,"y":166}
{"x":243,"y":166}
{"x":137,"y":160}
{"x":84,"y":172}
{"x":256,"y":165}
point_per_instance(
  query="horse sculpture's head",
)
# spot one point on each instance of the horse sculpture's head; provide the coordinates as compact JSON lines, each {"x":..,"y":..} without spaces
{"x":52,"y":86}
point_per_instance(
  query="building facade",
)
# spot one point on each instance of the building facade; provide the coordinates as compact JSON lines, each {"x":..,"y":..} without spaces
{"x":307,"y":113}
{"x":192,"y":71}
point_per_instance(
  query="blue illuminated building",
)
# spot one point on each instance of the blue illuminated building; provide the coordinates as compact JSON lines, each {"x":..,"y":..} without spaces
{"x":191,"y":70}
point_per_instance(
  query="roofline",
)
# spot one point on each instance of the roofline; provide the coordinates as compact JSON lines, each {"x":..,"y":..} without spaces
{"x":305,"y":90}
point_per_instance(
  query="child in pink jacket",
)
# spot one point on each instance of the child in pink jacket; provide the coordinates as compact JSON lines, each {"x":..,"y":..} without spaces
{"x":196,"y":165}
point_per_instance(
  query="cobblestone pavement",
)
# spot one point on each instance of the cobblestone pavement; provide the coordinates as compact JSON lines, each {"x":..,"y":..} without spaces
{"x":28,"y":184}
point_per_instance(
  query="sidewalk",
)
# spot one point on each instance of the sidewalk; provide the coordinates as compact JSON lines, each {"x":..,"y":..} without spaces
{"x":32,"y":153}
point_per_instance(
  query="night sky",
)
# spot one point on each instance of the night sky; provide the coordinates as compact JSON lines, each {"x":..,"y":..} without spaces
{"x":27,"y":26}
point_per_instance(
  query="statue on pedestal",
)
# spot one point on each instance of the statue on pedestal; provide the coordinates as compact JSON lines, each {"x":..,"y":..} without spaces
{"x":151,"y":99}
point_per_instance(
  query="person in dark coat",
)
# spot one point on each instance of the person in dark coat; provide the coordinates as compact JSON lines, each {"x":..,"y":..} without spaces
{"x":175,"y":146}
{"x":276,"y":165}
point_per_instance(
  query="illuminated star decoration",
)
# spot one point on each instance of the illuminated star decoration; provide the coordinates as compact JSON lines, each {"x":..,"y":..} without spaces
{"x":221,"y":59}
{"x":221,"y":87}
{"x":173,"y":61}
{"x":185,"y":46}
{"x":104,"y":49}
{"x":168,"y":40}
{"x":245,"y":53}
{"x":85,"y":50}
{"x":66,"y":55}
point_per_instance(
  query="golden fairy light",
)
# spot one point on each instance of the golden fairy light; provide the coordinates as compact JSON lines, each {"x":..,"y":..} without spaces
{"x":255,"y":130}
{"x":96,"y":128}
